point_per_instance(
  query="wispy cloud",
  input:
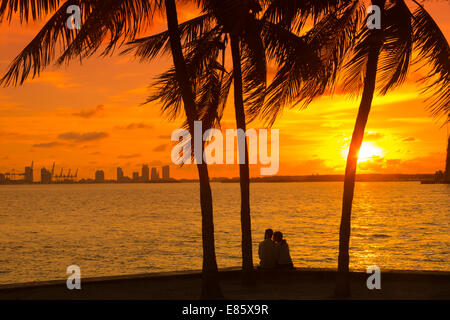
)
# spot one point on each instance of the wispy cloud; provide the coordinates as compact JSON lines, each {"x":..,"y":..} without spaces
{"x":82,"y":137}
{"x":89,"y":113}
{"x":132,"y":126}
{"x":160,"y":148}
{"x":410,"y":120}
{"x":129,"y":156}
{"x":48,"y":144}
{"x":373,"y":136}
{"x":139,"y":91}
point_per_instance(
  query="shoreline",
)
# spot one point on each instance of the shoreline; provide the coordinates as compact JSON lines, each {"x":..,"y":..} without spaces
{"x":302,"y":283}
{"x":427,"y":178}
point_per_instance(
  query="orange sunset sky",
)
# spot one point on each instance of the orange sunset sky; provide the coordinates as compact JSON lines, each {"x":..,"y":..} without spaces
{"x":89,"y":117}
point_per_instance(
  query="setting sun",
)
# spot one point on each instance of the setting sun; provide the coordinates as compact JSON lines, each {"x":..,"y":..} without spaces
{"x":368,"y":151}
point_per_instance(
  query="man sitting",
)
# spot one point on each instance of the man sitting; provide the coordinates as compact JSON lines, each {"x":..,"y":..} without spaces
{"x":266,"y":251}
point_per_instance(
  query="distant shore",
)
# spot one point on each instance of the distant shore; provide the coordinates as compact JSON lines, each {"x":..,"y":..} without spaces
{"x":292,"y":285}
{"x":369,"y":177}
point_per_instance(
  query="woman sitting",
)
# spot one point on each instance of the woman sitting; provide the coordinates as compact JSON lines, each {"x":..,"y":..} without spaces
{"x":283,"y":257}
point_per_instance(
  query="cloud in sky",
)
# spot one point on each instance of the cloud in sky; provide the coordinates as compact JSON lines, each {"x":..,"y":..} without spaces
{"x":164,"y":136}
{"x":89,"y":113}
{"x":48,"y":144}
{"x":160,"y":148}
{"x":373,"y":136}
{"x":129,"y":156}
{"x":409,"y":139}
{"x":132,"y":126}
{"x":82,"y":137}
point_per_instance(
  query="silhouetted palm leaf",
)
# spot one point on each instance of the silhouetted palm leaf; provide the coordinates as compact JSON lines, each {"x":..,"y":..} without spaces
{"x":211,"y":83}
{"x":40,"y":52}
{"x":111,"y":24}
{"x":297,"y":61}
{"x":150,"y":47}
{"x":254,"y":68}
{"x":397,"y":48}
{"x":402,"y":33}
{"x":434,"y":52}
{"x":334,"y":36}
{"x":28,"y":9}
{"x":110,"y":20}
{"x":293,"y":14}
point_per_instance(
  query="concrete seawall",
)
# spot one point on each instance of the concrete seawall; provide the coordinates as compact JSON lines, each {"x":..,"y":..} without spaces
{"x":302,"y":283}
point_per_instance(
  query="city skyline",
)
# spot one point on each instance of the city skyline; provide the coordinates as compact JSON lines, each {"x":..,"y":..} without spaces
{"x":49,"y":175}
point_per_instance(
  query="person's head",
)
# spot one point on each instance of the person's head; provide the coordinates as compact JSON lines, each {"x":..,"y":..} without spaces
{"x":278,"y":236}
{"x":268,"y":234}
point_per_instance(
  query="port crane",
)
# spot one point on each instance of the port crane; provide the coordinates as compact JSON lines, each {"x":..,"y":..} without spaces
{"x":13,"y":174}
{"x":64,"y":177}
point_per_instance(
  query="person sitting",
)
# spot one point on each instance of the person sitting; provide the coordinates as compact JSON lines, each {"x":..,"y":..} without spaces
{"x":266,"y":251}
{"x":282,"y":255}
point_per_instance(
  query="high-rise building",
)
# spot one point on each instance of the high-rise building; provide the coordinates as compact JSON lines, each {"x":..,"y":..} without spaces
{"x":120,"y":177}
{"x":2,"y":178}
{"x":145,"y":173}
{"x":99,"y":176}
{"x":46,"y":176}
{"x":28,"y":178}
{"x":166,"y":173}
{"x":135,"y":176}
{"x":155,"y":174}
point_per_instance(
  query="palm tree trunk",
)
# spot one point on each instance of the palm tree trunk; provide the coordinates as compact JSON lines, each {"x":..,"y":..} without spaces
{"x":210,"y":278}
{"x":246,"y":228}
{"x":343,"y":275}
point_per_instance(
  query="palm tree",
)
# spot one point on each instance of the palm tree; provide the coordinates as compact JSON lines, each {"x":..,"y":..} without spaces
{"x":115,"y":22}
{"x":210,"y":283}
{"x":388,"y":51}
{"x":203,"y":36}
{"x":237,"y":19}
{"x":333,"y":37}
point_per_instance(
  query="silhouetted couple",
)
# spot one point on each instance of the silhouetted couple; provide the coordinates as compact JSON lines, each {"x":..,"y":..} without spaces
{"x":274,"y":254}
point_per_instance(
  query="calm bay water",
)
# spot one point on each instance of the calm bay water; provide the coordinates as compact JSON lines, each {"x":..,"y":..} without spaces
{"x":113,"y":229}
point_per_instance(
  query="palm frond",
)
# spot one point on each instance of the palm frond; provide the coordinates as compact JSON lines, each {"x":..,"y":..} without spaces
{"x":27,"y":9}
{"x":230,"y":14}
{"x":334,"y":36}
{"x":148,"y":48}
{"x":254,"y":68}
{"x":290,"y":85}
{"x":210,"y":95}
{"x":210,"y":81}
{"x":354,"y":70}
{"x":433,"y":52}
{"x":293,"y":14}
{"x":112,"y":23}
{"x":167,"y":91}
{"x":395,"y":56}
{"x":41,"y":51}
{"x":117,"y":19}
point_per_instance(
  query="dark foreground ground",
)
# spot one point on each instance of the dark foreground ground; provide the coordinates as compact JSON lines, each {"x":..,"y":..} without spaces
{"x":299,"y":284}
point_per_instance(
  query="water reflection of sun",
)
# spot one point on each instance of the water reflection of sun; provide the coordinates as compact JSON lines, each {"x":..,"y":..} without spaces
{"x":369,"y":150}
